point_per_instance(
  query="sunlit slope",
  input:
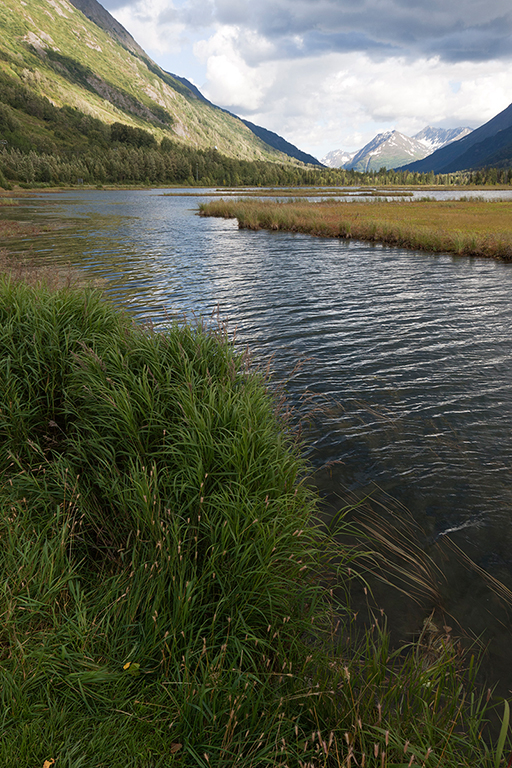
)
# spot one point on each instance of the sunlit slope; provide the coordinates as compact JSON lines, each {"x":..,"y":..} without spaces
{"x":56,"y":51}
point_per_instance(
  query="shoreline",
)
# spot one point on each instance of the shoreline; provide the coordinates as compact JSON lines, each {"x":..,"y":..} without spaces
{"x":174,"y":583}
{"x":250,"y":189}
{"x":460,"y":227}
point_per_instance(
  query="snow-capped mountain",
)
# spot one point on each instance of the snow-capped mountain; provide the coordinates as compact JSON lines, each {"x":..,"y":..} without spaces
{"x":337,"y":158}
{"x":393,"y":149}
{"x":389,"y":150}
{"x":435,"y":138}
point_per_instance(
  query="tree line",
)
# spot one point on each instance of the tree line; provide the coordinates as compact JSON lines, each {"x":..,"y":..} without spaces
{"x":172,"y":163}
{"x":47,"y":145}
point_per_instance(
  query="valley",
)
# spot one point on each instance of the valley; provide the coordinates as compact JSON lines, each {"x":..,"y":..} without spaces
{"x":254,"y":420}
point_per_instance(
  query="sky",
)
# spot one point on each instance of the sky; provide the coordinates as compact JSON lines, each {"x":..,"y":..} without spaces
{"x":331,"y":74}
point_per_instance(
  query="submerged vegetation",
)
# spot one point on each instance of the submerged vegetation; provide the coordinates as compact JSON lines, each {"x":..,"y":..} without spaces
{"x":168,"y":597}
{"x":464,"y":227}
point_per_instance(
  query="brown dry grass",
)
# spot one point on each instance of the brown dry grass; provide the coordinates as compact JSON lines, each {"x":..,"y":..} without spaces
{"x":463,"y":227}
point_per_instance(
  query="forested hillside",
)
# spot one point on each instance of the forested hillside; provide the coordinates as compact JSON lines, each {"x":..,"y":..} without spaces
{"x":52,"y":51}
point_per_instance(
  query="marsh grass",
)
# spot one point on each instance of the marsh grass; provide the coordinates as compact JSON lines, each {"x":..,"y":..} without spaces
{"x":24,"y":265}
{"x":462,"y":227}
{"x":18,"y":229}
{"x":166,"y":594}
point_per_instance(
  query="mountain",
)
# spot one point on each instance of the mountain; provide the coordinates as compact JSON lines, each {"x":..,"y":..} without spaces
{"x":392,"y":149}
{"x":77,"y":56}
{"x":269,"y":137}
{"x":338,"y":158}
{"x":495,"y":152}
{"x":94,"y":11}
{"x":277,"y":142}
{"x":487,"y":146}
{"x":388,"y":150}
{"x":435,"y":138}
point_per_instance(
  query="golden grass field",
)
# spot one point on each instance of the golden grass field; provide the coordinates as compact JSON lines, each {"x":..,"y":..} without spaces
{"x":463,"y":227}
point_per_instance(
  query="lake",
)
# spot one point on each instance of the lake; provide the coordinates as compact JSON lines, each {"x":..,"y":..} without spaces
{"x":405,"y":370}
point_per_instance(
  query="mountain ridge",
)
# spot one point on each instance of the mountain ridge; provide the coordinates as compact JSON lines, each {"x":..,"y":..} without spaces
{"x":435,"y":138}
{"x":459,"y":156}
{"x":391,"y":149}
{"x":102,"y":18}
{"x":76,"y":55}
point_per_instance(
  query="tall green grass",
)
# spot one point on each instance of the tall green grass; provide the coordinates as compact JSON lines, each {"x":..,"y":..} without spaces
{"x":166,"y":596}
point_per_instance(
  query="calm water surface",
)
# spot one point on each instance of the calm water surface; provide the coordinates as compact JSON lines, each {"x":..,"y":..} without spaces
{"x":410,"y":354}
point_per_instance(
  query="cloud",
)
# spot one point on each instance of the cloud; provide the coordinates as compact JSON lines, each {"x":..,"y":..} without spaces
{"x":155,"y":24}
{"x":232,"y":82}
{"x":329,"y":74}
{"x":482,"y":43}
{"x":453,"y":29}
{"x":343,"y":100}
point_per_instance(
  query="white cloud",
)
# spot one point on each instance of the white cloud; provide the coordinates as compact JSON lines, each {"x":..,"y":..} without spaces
{"x":155,"y":24}
{"x":331,"y":74}
{"x":343,"y":100}
{"x":230,"y":80}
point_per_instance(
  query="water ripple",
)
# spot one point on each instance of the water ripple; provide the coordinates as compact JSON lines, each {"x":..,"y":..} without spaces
{"x":409,"y":352}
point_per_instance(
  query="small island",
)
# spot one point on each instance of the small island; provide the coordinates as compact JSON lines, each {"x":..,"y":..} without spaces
{"x":465,"y":227}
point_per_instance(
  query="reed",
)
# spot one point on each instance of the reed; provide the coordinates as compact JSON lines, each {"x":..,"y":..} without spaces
{"x":462,"y":227}
{"x":167,"y":596}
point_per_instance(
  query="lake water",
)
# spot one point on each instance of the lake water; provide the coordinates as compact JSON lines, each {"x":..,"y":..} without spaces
{"x":409,"y":355}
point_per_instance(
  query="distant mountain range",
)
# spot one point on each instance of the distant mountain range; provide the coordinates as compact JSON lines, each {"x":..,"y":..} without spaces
{"x":488,"y":146}
{"x":387,"y":150}
{"x":393,"y":149}
{"x":338,"y":158}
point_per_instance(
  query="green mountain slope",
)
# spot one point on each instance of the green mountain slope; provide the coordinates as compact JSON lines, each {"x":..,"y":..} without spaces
{"x":100,"y":16}
{"x":49,"y":48}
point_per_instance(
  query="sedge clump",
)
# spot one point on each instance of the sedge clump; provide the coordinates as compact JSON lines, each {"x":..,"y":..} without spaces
{"x":163,"y":576}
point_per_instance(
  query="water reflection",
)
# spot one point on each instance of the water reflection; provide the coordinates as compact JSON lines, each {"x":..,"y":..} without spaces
{"x":408,"y":353}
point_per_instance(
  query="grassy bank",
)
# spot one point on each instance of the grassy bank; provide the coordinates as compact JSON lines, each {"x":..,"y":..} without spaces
{"x":462,"y":227}
{"x":165,"y":592}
